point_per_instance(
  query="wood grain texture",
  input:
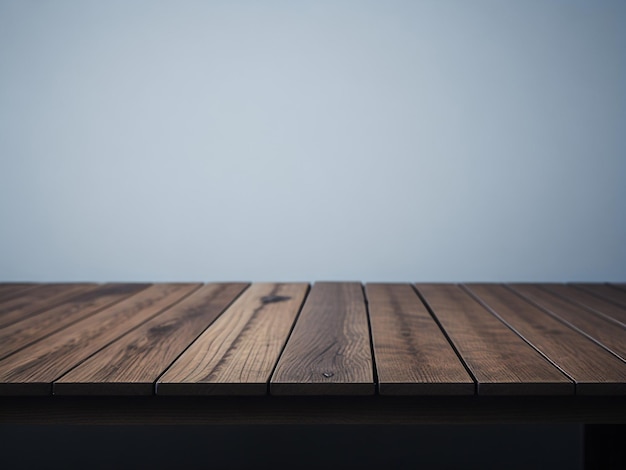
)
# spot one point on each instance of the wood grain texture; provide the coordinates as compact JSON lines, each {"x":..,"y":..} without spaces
{"x":11,"y":290}
{"x":22,"y":333}
{"x":605,"y":332}
{"x":500,"y":361}
{"x":131,"y":365}
{"x":605,"y":291}
{"x":594,"y":370}
{"x":412,"y":355}
{"x":237,"y":353}
{"x":595,"y":304}
{"x":38,"y":299}
{"x":32,"y":370}
{"x":328,"y":352}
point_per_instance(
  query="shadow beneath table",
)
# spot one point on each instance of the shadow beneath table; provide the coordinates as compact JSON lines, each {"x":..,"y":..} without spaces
{"x":511,"y":446}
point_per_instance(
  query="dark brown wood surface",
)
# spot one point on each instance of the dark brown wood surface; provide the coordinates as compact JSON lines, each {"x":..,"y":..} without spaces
{"x":32,"y":370}
{"x":9,"y":287}
{"x":500,"y":361}
{"x":131,"y":365}
{"x":230,"y":339}
{"x":329,"y":351}
{"x":593,"y":303}
{"x":412,"y":355}
{"x":598,"y":328}
{"x":22,"y":333}
{"x":38,"y":299}
{"x":605,"y":291}
{"x":237,"y":353}
{"x":595,"y":370}
{"x":11,"y":290}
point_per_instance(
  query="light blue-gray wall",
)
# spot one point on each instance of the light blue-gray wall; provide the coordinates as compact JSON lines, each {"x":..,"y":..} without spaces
{"x":295,"y":140}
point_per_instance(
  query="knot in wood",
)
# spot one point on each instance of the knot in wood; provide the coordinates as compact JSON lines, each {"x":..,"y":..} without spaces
{"x":268,"y":299}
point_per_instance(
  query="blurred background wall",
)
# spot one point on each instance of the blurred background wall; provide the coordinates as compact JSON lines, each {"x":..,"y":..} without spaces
{"x":281,"y":140}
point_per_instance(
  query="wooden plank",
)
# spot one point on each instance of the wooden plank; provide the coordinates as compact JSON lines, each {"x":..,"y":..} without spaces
{"x":328,"y":352}
{"x":500,"y":361}
{"x":412,"y":355}
{"x":37,"y":294}
{"x":32,"y":370}
{"x":9,"y":287}
{"x":598,"y":328}
{"x":595,"y":371}
{"x":238,"y":352}
{"x":131,"y":365}
{"x":605,"y":291}
{"x":598,"y":305}
{"x":22,"y":333}
{"x":38,"y":299}
{"x":10,"y":290}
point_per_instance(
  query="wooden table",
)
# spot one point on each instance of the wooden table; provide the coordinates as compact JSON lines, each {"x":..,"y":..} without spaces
{"x":327,"y":353}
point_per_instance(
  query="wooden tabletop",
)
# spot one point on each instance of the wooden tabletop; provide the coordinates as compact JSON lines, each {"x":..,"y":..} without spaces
{"x":327,"y":339}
